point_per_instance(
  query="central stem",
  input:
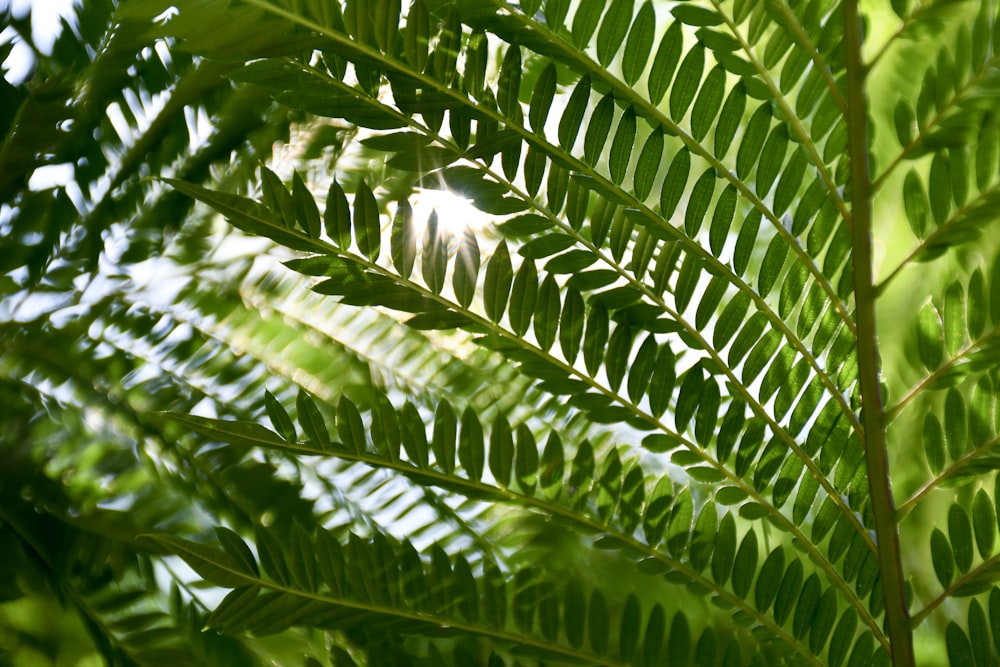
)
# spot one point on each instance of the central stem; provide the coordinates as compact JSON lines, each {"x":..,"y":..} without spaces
{"x":873,"y":415}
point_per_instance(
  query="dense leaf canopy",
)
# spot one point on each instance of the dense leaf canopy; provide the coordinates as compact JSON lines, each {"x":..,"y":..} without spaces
{"x":461,"y":332}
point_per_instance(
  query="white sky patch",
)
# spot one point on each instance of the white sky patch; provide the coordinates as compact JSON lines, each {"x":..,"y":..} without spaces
{"x":45,"y":26}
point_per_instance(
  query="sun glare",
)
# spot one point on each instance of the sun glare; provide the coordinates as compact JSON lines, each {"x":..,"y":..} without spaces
{"x":456,"y":214}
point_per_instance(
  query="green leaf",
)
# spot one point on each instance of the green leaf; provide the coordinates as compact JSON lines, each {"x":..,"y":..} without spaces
{"x":933,"y":443}
{"x":674,"y":183}
{"x":722,"y":219}
{"x":695,"y":15}
{"x":523,"y":295}
{"x":772,"y":157}
{"x":572,"y":118}
{"x":700,"y":200}
{"x":745,"y":565}
{"x":960,"y":535}
{"x":306,"y":211}
{"x":769,"y":580}
{"x":688,"y":82}
{"x":959,"y":648}
{"x":613,"y":30}
{"x":940,"y":194}
{"x":598,"y":129}
{"x":350,"y":428}
{"x":730,"y":119}
{"x":466,"y":268}
{"x":367,"y":227}
{"x":745,"y":242}
{"x":546,"y":316}
{"x":279,"y":417}
{"x":930,"y":337}
{"x":443,"y":440}
{"x":621,"y":146}
{"x":509,"y":83}
{"x":571,"y":324}
{"x":595,"y":338}
{"x":588,"y":15}
{"x":648,"y":164}
{"x":639,"y":44}
{"x":668,"y":54}
{"x":313,"y":424}
{"x":598,"y":622}
{"x":496,"y":288}
{"x":941,"y":557}
{"x":211,"y":564}
{"x":984,"y":523}
{"x":413,"y":435}
{"x":706,"y":106}
{"x":754,"y":136}
{"x":915,"y":204}
{"x":434,"y":257}
{"x":470,"y":446}
{"x":501,"y":451}
{"x":631,"y":625}
{"x":541,"y":98}
{"x":238,"y":550}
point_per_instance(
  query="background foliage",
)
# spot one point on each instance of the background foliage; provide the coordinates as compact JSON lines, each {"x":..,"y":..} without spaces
{"x":614,"y":414}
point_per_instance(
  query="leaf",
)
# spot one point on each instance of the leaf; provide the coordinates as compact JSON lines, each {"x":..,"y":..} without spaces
{"x":279,"y":417}
{"x":443,"y":440}
{"x":572,"y":118}
{"x":236,"y":548}
{"x":599,"y":129}
{"x":754,"y":136}
{"x":940,"y":195}
{"x":639,"y":44}
{"x":668,"y":54}
{"x":930,"y":337}
{"x":434,"y":258}
{"x":541,"y":98}
{"x":211,"y":564}
{"x":598,"y":622}
{"x":769,"y":580}
{"x":595,"y":338}
{"x":350,"y":428}
{"x":960,"y":535}
{"x":621,"y":146}
{"x":496,"y":288}
{"x":413,"y":435}
{"x":745,"y":565}
{"x":771,"y":158}
{"x":367,"y":228}
{"x":688,"y":82}
{"x":523,"y":295}
{"x":470,"y":446}
{"x":984,"y":523}
{"x":501,"y":451}
{"x":648,"y":164}
{"x":306,"y":211}
{"x":700,"y":200}
{"x":933,"y":439}
{"x":941,"y":557}
{"x":466,"y":268}
{"x":674,"y":183}
{"x":585,"y":20}
{"x":313,"y":424}
{"x":730,"y":119}
{"x":959,"y":648}
{"x":613,"y":30}
{"x":706,"y":106}
{"x":696,"y":16}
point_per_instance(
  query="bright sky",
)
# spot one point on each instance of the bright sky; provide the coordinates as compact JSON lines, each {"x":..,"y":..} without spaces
{"x":45,"y":16}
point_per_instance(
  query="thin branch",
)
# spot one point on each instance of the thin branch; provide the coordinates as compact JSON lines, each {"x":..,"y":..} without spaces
{"x":876,"y":456}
